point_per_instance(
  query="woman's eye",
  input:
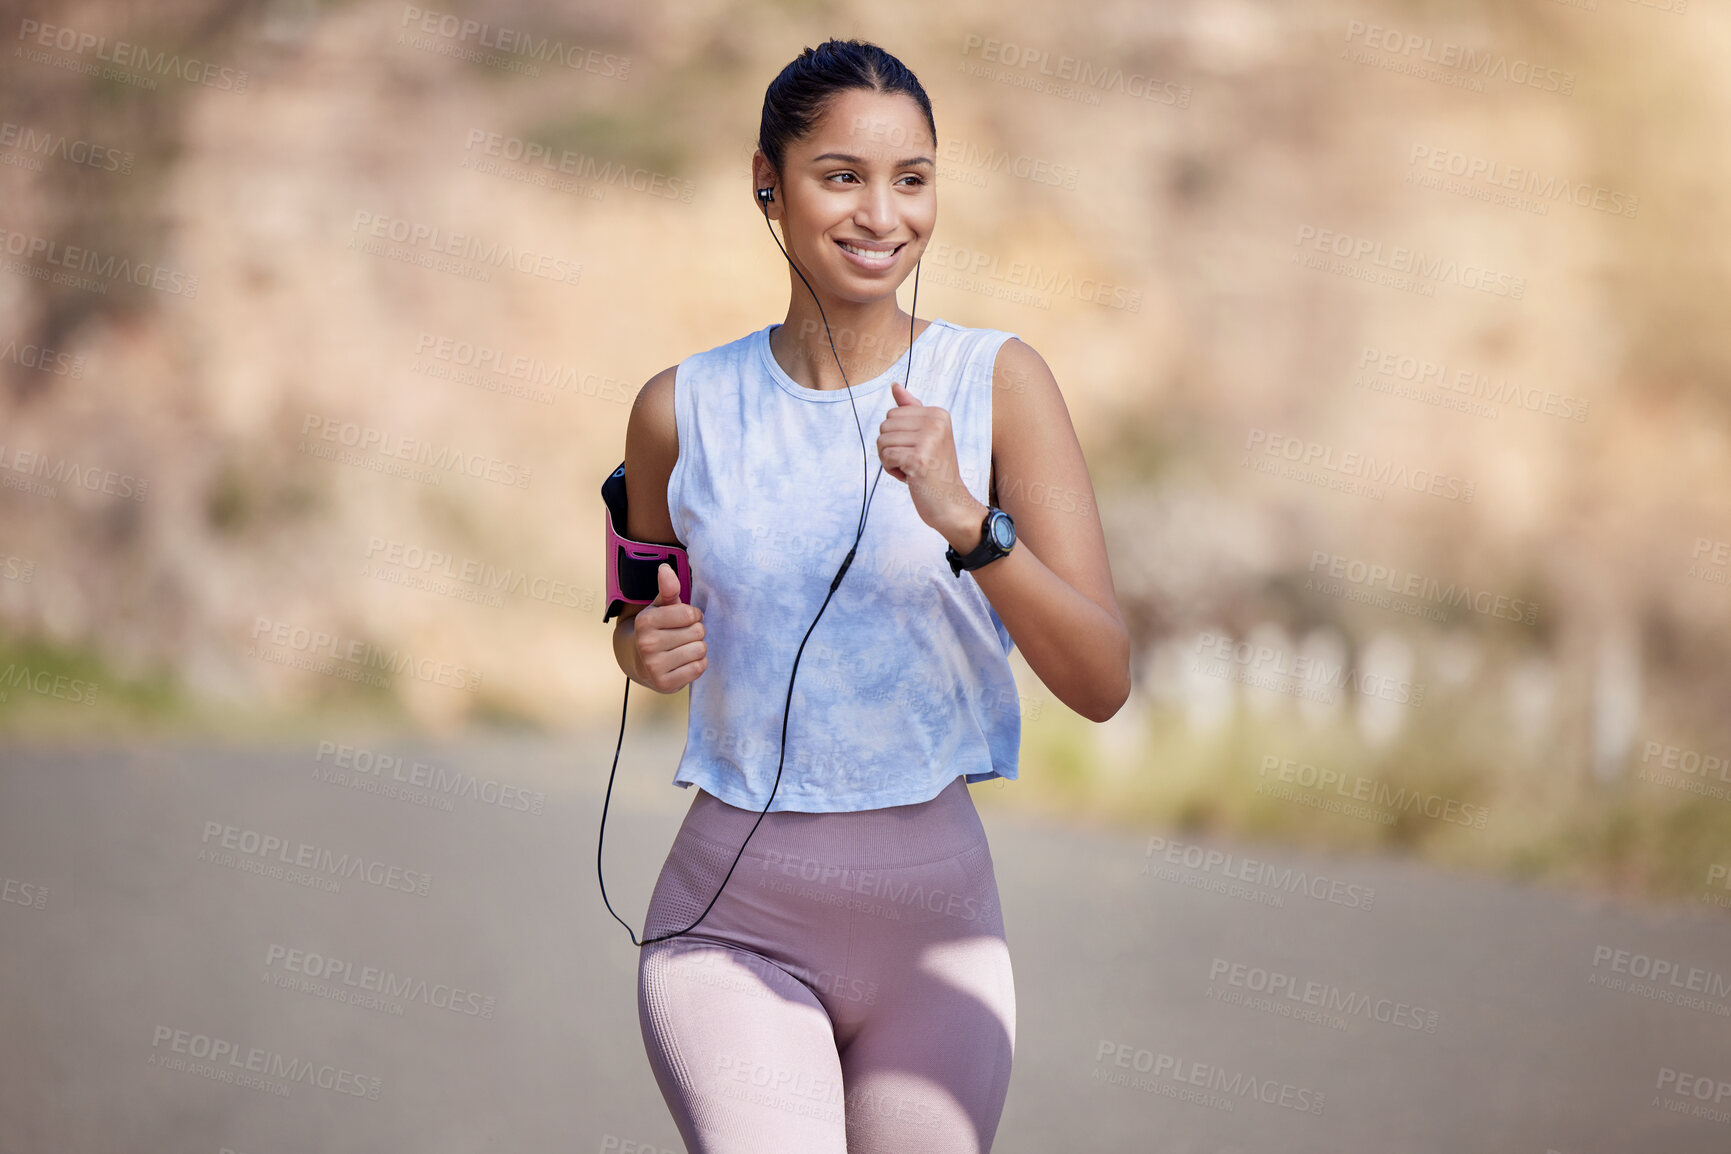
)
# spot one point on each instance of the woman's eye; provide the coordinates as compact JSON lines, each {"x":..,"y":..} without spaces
{"x":915,"y":177}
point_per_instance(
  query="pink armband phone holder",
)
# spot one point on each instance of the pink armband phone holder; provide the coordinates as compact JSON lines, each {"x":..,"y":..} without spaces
{"x":632,"y":565}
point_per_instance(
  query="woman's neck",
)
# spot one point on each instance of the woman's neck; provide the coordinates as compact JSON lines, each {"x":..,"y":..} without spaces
{"x":867,"y":342}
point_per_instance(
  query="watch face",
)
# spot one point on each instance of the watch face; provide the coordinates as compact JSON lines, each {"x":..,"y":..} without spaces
{"x":1003,"y":532}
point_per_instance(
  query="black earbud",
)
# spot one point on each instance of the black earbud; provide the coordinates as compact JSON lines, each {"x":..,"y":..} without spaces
{"x":765,"y":195}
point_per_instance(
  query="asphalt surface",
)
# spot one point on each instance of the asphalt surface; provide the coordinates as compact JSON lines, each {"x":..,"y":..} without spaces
{"x":1185,"y":996}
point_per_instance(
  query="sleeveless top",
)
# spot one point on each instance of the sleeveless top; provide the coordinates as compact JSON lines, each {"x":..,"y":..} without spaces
{"x":905,"y":682}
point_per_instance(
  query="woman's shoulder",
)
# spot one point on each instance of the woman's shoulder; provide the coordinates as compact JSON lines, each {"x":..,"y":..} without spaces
{"x":973,"y":335}
{"x":653,"y":412}
{"x":984,"y":351}
{"x":734,"y":349}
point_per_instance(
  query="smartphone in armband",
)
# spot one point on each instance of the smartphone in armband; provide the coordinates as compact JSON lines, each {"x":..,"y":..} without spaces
{"x":632,"y":565}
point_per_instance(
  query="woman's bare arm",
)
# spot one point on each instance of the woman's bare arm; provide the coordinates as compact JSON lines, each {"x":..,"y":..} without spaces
{"x":1054,"y":591}
{"x":651,"y":448}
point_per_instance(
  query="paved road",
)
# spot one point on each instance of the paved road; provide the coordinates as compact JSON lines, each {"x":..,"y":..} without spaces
{"x":1433,"y":1012}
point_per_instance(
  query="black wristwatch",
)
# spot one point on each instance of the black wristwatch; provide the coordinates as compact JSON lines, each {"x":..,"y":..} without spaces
{"x":997,"y":538}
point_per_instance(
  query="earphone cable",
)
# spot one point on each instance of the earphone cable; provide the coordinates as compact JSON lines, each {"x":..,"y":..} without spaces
{"x":787,"y":706}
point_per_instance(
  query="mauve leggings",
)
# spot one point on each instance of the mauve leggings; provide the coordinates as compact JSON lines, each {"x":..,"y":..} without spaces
{"x":850,"y":993}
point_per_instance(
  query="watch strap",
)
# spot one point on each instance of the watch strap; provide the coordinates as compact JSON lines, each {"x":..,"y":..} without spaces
{"x":986,"y":551}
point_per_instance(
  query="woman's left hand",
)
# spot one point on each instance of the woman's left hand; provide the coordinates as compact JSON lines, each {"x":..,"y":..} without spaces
{"x":917,"y":446}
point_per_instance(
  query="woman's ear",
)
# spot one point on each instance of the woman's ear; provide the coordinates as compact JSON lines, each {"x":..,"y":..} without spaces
{"x":763,"y":185}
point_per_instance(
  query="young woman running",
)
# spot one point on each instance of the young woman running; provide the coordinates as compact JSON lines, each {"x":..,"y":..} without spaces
{"x":846,"y":988}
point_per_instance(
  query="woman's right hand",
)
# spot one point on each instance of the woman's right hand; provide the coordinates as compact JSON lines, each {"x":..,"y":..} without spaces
{"x":668,"y":637}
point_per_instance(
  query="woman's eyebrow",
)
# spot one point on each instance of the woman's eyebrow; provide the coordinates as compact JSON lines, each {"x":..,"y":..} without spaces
{"x":848,"y":158}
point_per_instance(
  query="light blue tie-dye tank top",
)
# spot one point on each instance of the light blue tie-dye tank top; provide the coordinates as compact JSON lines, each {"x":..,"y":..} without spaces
{"x":905,"y":682}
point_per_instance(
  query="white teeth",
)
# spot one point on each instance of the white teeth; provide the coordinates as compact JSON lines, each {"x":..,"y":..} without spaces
{"x":870,"y":254}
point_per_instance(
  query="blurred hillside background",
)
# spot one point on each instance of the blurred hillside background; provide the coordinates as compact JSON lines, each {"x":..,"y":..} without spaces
{"x":194,"y":293}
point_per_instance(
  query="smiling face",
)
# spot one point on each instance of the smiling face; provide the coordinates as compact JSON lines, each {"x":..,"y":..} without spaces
{"x":857,"y":199}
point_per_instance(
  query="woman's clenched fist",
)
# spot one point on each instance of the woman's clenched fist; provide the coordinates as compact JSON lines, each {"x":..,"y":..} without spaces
{"x":668,"y":637}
